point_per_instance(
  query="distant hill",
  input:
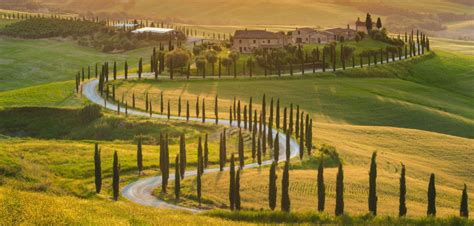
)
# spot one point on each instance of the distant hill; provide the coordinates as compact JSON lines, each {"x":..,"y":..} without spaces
{"x":423,"y":14}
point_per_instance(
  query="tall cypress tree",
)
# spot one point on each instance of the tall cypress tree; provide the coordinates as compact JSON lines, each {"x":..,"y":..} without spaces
{"x":206,"y":152}
{"x":140,"y":68}
{"x":284,"y":119}
{"x":177,"y":178}
{"x":464,"y":209}
{"x":431,"y":211}
{"x":321,"y":188}
{"x":250,"y":115}
{"x":162,"y":103}
{"x":259,"y":151}
{"x":288,"y":146}
{"x":237,"y":190}
{"x":198,"y":180}
{"x":216,"y":109}
{"x":290,"y":122}
{"x":139,"y":156}
{"x":179,"y":106}
{"x":203,"y":110}
{"x":97,"y":169}
{"x":309,"y":136}
{"x":373,"y":185}
{"x":297,"y":122}
{"x":126,"y":70}
{"x":169,"y":110}
{"x":238,"y":114}
{"x":232,"y":183}
{"x":241,"y":150}
{"x":182,"y":155}
{"x":197,"y":107}
{"x":270,"y":125}
{"x":254,"y":143}
{"x":116,"y":177}
{"x":402,"y":209}
{"x":277,"y":115}
{"x":187,"y":110}
{"x":272,"y":187}
{"x":340,"y":191}
{"x":200,"y":156}
{"x":221,"y":154}
{"x":276,"y":148}
{"x":285,"y":183}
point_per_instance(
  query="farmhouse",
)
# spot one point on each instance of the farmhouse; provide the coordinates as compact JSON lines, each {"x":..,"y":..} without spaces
{"x":343,"y":33}
{"x":245,"y":41}
{"x":310,"y":36}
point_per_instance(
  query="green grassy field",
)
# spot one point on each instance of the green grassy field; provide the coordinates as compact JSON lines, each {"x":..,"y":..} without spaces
{"x":422,"y":99}
{"x":32,"y":62}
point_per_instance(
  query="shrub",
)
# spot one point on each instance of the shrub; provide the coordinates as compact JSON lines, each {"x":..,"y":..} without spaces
{"x":90,"y":113}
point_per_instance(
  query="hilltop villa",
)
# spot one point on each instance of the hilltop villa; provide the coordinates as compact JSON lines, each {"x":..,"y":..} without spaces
{"x":245,"y":41}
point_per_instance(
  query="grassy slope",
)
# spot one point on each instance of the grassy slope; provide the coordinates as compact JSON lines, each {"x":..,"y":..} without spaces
{"x":380,"y":99}
{"x":36,"y":208}
{"x":32,"y":62}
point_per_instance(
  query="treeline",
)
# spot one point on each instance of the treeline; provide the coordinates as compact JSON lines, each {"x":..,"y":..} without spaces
{"x":35,"y":28}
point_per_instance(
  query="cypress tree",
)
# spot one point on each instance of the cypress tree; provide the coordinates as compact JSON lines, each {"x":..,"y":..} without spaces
{"x":230,"y":115}
{"x":151,"y":108}
{"x":402,"y":210}
{"x":126,"y":70}
{"x":276,"y":148}
{"x":264,"y":109}
{"x":140,"y":68}
{"x":309,"y":137}
{"x":250,"y":115}
{"x":254,"y":148}
{"x":241,"y":150}
{"x":187,"y":110}
{"x":203,"y":110}
{"x":290,"y":122}
{"x":237,"y":190}
{"x":116,"y":177}
{"x":197,"y":107}
{"x":270,"y":125}
{"x":182,"y":155}
{"x":259,"y":151}
{"x":288,"y":146}
{"x":177,"y":178}
{"x":340,"y":191}
{"x":464,"y":209}
{"x":321,"y":188}
{"x":297,"y":122}
{"x":284,"y":120}
{"x":115,"y":70}
{"x":198,"y":179}
{"x":245,"y":116}
{"x":179,"y":106}
{"x":301,"y":136}
{"x":264,"y":140}
{"x":200,"y":156}
{"x":232,"y":183}
{"x":169,"y":110}
{"x":277,"y":116}
{"x":97,"y":169}
{"x":373,"y":185}
{"x":206,"y":152}
{"x":216,"y":109}
{"x":162,"y":103}
{"x":238,"y":114}
{"x":221,"y":154}
{"x":285,"y":183}
{"x":139,"y":156}
{"x":272,"y":187}
{"x":431,"y":197}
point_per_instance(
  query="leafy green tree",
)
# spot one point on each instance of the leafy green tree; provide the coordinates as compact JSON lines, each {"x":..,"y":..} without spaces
{"x":340,"y":191}
{"x":373,"y":185}
{"x":211,"y":57}
{"x":431,"y":211}
{"x":200,"y":62}
{"x":116,"y":177}
{"x":285,"y":183}
{"x":464,"y":209}
{"x":227,"y":63}
{"x":402,"y":210}
{"x":97,"y":169}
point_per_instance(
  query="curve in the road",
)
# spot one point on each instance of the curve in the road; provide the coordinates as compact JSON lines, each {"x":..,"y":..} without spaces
{"x":141,"y":191}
